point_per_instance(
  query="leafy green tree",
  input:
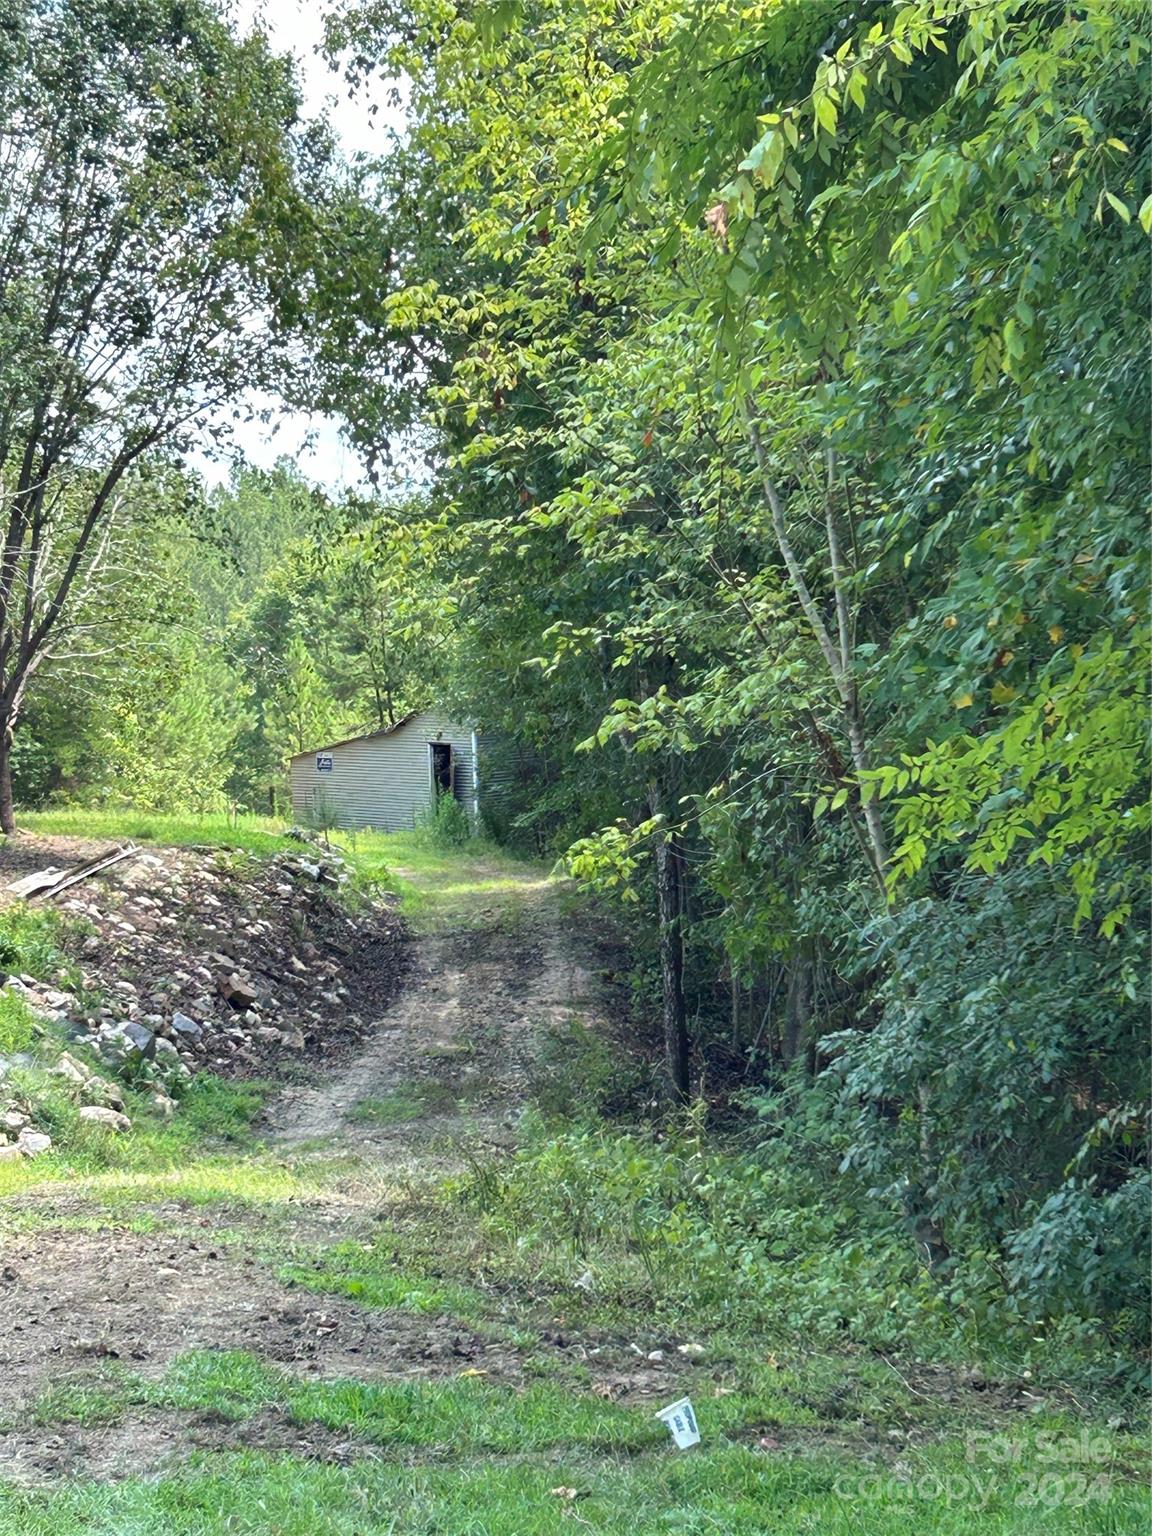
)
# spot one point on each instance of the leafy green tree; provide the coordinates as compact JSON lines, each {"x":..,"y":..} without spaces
{"x":152,"y":213}
{"x":779,"y":543}
{"x":174,"y":737}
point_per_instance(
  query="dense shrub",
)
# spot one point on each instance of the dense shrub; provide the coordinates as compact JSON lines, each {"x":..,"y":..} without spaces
{"x":448,"y":824}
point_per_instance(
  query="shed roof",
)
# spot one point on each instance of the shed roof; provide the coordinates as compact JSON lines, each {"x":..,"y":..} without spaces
{"x":384,"y":730}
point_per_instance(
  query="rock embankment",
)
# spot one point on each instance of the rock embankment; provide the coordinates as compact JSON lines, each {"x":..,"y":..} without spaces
{"x":188,"y":960}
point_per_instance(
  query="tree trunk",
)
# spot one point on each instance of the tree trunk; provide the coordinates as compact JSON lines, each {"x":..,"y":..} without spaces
{"x":670,"y":902}
{"x":925,"y":1228}
{"x":838,"y":651}
{"x":7,"y":809}
{"x":797,"y":1007}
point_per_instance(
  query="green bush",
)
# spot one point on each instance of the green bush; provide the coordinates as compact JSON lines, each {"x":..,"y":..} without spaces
{"x":735,"y":1237}
{"x":1086,"y":1251}
{"x":707,"y":1234}
{"x":1038,"y":1141}
{"x":578,"y":1072}
{"x":447,"y":824}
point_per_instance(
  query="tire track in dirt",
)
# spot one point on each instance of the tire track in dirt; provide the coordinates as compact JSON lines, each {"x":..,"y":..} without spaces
{"x":464,"y":1033}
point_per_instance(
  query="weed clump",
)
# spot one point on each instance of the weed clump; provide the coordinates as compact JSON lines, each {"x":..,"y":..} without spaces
{"x":18,"y":1024}
{"x":447,"y":824}
{"x":30,"y":941}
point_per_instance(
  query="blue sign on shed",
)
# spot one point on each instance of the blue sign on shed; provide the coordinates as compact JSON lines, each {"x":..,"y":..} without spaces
{"x":323,"y":762}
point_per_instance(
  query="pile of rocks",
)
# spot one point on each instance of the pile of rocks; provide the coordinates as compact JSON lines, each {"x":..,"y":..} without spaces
{"x":28,"y":1142}
{"x":193,"y":960}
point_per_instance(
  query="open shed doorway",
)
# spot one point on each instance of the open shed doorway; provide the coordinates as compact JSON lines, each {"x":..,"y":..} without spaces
{"x":441,"y":756}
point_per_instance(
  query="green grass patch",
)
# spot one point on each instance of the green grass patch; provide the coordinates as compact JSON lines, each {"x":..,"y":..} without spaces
{"x":550,"y":1467}
{"x":463,"y":1415}
{"x":439,"y":887}
{"x":367,"y":1273}
{"x":408,"y":1102}
{"x":19,"y":1026}
{"x":255,"y":834}
{"x":89,"y":1401}
{"x":30,"y":941}
{"x":253,"y":1204}
{"x":391,"y":1109}
{"x":212,"y":1114}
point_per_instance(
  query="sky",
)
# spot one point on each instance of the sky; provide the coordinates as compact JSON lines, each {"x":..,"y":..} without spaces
{"x":313,"y":441}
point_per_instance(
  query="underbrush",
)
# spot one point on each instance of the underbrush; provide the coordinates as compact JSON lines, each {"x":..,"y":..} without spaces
{"x":577,"y":1074}
{"x":30,"y":941}
{"x":18,"y":1024}
{"x":707,"y":1234}
{"x":447,"y":824}
{"x":407,"y":1102}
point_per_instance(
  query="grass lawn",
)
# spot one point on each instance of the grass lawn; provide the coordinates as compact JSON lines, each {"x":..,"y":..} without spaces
{"x":733,"y":1490}
{"x":443,"y":887}
{"x":463,"y":1456}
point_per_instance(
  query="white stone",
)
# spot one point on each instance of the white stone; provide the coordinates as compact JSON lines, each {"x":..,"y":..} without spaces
{"x":97,"y":1114}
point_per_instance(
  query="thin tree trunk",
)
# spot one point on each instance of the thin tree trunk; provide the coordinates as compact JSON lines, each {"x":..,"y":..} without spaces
{"x":670,"y":904}
{"x":838,"y":653}
{"x":797,"y":1007}
{"x":7,"y":809}
{"x":925,"y":1228}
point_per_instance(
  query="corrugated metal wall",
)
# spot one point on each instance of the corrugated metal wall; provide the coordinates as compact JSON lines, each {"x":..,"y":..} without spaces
{"x":383,"y":781}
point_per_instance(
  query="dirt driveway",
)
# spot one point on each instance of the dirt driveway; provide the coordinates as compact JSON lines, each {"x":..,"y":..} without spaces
{"x":446,"y":1063}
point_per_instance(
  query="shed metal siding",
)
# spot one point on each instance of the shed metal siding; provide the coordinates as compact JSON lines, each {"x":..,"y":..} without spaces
{"x":384,"y":781}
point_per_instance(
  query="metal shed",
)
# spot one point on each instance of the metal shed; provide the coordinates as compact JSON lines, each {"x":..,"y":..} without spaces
{"x":388,"y":779}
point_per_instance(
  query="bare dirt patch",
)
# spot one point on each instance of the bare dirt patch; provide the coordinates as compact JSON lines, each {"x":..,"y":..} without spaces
{"x":146,"y":1442}
{"x":72,"y":1302}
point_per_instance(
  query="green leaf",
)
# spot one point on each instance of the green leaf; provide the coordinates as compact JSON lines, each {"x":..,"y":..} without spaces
{"x":826,"y":114}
